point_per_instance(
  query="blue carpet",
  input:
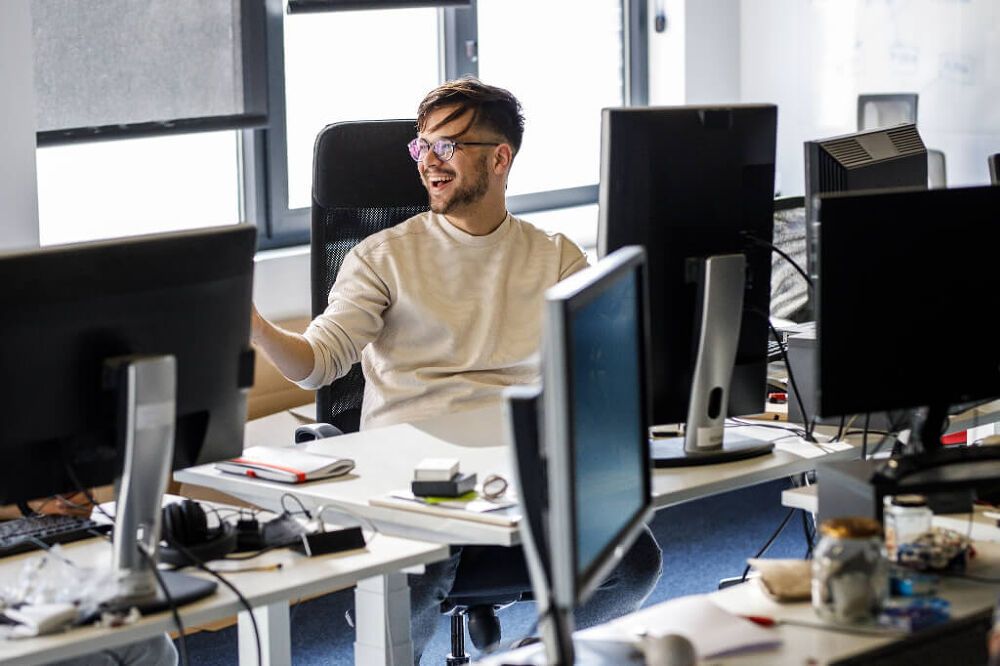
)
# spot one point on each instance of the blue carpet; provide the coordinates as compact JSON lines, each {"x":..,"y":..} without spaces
{"x":702,"y":542}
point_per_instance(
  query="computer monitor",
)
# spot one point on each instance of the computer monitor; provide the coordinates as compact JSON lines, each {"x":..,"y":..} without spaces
{"x":594,"y":496}
{"x":886,"y":110}
{"x":124,"y":359}
{"x":901,"y":274}
{"x":695,"y":187}
{"x":867,"y":160}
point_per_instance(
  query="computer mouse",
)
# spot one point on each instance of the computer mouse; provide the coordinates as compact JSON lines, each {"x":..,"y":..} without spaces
{"x":668,"y":650}
{"x":313,"y":431}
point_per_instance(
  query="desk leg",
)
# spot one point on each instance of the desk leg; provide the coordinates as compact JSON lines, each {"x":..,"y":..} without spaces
{"x":382,"y":612}
{"x":275,"y":637}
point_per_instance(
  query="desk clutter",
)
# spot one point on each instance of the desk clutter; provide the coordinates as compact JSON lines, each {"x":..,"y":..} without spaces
{"x":53,"y":592}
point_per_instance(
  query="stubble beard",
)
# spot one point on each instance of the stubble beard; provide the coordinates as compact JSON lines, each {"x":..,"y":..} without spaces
{"x":470,"y":194}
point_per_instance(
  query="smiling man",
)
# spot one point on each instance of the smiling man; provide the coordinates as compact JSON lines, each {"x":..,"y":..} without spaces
{"x":444,"y":310}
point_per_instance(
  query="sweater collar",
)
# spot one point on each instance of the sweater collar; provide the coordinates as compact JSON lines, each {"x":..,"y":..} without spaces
{"x":465,"y":238}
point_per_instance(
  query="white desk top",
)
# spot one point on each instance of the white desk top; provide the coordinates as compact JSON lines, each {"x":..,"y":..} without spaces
{"x":386,"y":457}
{"x":818,"y":643}
{"x":299,"y":577}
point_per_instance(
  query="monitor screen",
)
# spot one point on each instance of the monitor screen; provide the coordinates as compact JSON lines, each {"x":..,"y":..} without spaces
{"x":596,"y":419}
{"x":905,"y":278}
{"x":184,"y":294}
{"x":693,"y":182}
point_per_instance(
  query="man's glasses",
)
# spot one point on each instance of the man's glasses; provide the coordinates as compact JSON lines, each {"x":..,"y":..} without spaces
{"x":443,"y":148}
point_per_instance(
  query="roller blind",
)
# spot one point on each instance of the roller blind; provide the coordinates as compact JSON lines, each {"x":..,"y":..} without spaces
{"x":113,"y":68}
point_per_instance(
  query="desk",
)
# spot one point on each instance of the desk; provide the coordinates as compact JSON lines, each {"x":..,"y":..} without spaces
{"x":385,"y":458}
{"x":971,"y":607}
{"x":268,"y":593}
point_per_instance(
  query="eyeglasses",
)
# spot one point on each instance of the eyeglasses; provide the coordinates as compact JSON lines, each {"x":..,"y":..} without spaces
{"x":443,"y":148}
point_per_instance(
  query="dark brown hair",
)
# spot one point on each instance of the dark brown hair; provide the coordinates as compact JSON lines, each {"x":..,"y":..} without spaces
{"x":493,"y":108}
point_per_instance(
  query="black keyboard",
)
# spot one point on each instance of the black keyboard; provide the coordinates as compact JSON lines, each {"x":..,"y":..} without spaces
{"x":23,"y":534}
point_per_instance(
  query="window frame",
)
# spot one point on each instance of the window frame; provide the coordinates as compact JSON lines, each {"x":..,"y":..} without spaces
{"x":262,"y":146}
{"x":265,"y":169}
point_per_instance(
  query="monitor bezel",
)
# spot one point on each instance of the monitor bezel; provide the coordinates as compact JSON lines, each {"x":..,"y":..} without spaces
{"x":571,"y":587}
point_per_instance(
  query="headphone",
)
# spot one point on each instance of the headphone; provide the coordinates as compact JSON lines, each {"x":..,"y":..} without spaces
{"x":189,"y":540}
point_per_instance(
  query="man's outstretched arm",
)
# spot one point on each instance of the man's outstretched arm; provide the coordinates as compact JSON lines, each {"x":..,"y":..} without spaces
{"x":290,"y":352}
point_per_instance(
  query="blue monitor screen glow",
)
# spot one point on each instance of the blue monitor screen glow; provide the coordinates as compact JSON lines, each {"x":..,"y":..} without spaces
{"x":606,"y":398}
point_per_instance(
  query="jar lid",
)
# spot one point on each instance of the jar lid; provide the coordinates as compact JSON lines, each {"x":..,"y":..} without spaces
{"x":850,"y":527}
{"x":909,"y":500}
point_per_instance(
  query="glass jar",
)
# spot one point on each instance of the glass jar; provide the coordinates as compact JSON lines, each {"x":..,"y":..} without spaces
{"x":850,"y":575}
{"x":906,"y":517}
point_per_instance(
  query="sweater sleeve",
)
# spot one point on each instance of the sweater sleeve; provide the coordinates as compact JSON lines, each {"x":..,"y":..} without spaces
{"x":352,"y":319}
{"x":571,"y":258}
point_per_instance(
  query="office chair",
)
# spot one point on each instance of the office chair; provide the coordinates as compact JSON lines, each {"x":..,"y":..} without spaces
{"x":886,"y":110}
{"x":994,"y":161}
{"x":937,"y":172}
{"x":364,"y":181}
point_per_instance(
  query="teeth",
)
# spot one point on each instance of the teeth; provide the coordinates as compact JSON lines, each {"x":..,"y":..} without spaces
{"x":440,"y":179}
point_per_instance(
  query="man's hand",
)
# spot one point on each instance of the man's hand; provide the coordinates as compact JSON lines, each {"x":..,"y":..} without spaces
{"x":75,"y":504}
{"x":290,"y":352}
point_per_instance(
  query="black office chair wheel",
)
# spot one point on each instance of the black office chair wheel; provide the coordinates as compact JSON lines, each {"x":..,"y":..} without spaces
{"x":484,"y":627}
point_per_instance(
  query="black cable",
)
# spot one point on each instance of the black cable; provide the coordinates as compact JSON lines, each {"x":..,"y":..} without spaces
{"x":864,"y":438}
{"x":779,"y":251}
{"x":200,"y":564}
{"x":840,"y":429}
{"x":790,"y":429}
{"x":770,"y":541}
{"x":791,"y":379}
{"x":181,"y":638}
{"x":809,"y":534}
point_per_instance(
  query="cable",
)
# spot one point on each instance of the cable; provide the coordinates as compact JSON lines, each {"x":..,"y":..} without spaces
{"x":246,"y":604}
{"x":770,"y":541}
{"x":777,"y":250}
{"x":181,"y":638}
{"x":864,"y":438}
{"x":788,"y":367}
{"x":284,"y":508}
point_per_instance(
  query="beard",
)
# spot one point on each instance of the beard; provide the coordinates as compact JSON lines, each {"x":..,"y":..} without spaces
{"x":468,"y":194}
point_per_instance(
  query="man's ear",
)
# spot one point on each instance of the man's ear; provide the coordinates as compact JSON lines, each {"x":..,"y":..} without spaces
{"x":502,"y":158}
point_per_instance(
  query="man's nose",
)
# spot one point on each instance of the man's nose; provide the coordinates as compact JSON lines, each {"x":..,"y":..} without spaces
{"x":431,"y":158}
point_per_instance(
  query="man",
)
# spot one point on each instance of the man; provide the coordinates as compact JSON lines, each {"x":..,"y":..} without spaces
{"x":444,"y":310}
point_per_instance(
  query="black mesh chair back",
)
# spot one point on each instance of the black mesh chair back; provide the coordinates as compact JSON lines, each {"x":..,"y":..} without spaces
{"x":364,"y":181}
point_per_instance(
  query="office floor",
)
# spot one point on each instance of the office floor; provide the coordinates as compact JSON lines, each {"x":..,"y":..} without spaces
{"x":719,"y":525}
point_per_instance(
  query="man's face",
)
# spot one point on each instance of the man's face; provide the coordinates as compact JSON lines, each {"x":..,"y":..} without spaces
{"x":463,"y":180}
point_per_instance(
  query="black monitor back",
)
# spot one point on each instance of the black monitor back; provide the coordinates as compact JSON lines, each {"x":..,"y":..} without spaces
{"x":692,"y":182}
{"x":901,"y":277}
{"x":69,"y":308}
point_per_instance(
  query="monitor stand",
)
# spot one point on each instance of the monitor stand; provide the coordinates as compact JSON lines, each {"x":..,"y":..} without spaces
{"x":146,"y":387}
{"x":721,"y":280}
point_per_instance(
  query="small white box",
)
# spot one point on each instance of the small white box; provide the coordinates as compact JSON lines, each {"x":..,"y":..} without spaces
{"x":435,"y":469}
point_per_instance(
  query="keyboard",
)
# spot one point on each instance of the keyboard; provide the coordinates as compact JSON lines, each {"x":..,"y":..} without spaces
{"x":24,"y":534}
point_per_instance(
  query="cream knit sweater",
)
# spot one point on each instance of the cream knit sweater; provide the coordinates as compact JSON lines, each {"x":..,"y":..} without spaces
{"x":441,"y":320}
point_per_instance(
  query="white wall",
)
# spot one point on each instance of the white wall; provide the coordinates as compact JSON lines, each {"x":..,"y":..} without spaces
{"x":18,"y":186}
{"x":814,"y":58}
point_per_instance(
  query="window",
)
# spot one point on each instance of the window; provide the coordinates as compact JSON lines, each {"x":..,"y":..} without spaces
{"x":377,"y":83}
{"x":105,"y":189}
{"x":252,"y":160}
{"x":563,"y":83}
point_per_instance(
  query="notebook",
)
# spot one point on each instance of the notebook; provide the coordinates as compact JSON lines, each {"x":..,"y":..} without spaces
{"x":286,"y":465}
